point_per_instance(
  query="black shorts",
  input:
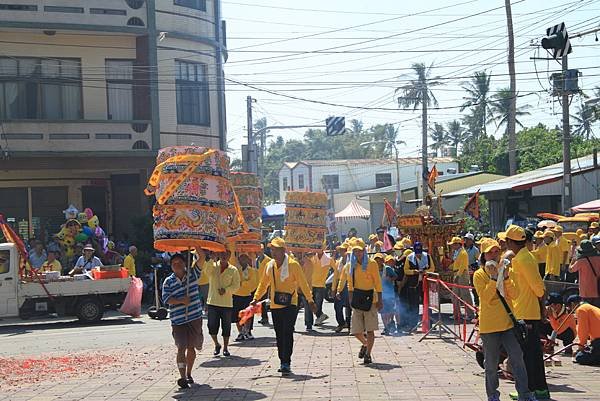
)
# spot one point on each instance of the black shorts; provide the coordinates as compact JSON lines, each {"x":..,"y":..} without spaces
{"x":239,"y":303}
{"x":219,"y":316}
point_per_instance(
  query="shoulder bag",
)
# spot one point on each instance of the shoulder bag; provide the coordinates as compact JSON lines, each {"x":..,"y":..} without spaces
{"x":519,"y":326}
{"x":281,"y":298}
{"x":361,"y":299}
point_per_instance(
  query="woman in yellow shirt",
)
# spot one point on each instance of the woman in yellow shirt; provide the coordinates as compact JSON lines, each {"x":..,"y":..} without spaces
{"x":243,"y":296}
{"x":495,"y":325}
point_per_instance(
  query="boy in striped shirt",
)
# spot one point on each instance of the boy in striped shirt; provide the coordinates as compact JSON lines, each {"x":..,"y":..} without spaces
{"x":180,"y":292}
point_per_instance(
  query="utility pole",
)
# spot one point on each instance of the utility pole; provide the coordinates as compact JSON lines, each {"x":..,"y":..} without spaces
{"x":398,"y":190}
{"x":425,"y":168}
{"x":512,"y":110}
{"x":567,"y":195}
{"x":250,"y":128}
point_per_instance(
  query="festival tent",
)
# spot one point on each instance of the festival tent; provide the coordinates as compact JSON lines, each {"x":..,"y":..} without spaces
{"x":592,"y":206}
{"x":353,"y":211}
{"x":274,"y":214}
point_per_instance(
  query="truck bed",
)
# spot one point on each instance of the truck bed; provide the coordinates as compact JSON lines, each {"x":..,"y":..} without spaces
{"x":73,"y":288}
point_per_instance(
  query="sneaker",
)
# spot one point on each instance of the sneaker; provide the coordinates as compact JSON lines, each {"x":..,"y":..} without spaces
{"x":339,"y":329}
{"x":367,"y":359}
{"x":183,"y":383}
{"x":217,"y":350}
{"x":226,"y":353}
{"x":362,"y":352}
{"x":494,"y":398}
{"x":285,"y":370}
{"x":190,"y":380}
{"x":249,"y":336}
{"x":385,"y":332}
{"x":321,"y":319}
{"x":542,"y":394}
{"x":240,"y":337}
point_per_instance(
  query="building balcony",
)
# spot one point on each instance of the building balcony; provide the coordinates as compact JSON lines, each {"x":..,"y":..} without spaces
{"x":75,"y":136}
{"x":97,"y":15}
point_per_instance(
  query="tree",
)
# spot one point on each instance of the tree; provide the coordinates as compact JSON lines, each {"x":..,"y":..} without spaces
{"x":585,"y":118}
{"x":438,"y":137}
{"x":501,"y":105}
{"x":455,"y":135}
{"x":477,"y":99}
{"x":418,"y":94}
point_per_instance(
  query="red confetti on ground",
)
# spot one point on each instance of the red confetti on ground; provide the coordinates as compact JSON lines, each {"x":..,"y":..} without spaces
{"x":22,"y":371}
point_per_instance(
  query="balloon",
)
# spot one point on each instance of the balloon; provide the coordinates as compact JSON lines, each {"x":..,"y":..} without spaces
{"x":69,"y":240}
{"x":93,"y":222}
{"x":81,"y":237}
{"x":88,"y":212}
{"x":88,"y":231}
{"x":82,"y":217}
{"x":99,"y":232}
{"x":70,"y":212}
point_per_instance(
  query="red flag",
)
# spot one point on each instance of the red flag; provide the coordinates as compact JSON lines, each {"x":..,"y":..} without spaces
{"x":472,"y":207}
{"x":13,"y":237}
{"x":387,"y":243}
{"x":389,"y":213}
{"x":433,"y":175}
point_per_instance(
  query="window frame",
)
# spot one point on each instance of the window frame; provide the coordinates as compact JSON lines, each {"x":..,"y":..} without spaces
{"x":121,"y":81}
{"x":201,"y":4}
{"x":284,"y":184}
{"x":300,"y":181}
{"x":331,"y":181}
{"x":381,"y":183}
{"x":40,"y":81}
{"x":202,"y":86}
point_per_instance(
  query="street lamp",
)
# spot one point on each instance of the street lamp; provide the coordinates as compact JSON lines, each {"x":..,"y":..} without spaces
{"x":394,"y":144}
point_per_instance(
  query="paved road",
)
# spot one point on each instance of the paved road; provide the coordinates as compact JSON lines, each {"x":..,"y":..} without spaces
{"x":133,"y":359}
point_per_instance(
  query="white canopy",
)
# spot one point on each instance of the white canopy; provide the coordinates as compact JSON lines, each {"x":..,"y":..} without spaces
{"x":353,"y":211}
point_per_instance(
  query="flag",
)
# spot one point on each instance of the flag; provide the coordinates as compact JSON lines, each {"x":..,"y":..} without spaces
{"x":13,"y":237}
{"x":388,"y":243}
{"x":472,"y":207}
{"x":389,"y":213}
{"x":433,"y":175}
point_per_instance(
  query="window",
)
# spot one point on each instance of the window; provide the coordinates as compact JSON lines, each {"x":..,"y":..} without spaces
{"x":34,"y":88}
{"x":113,"y":136}
{"x":135,"y":4}
{"x":331,"y":181}
{"x":285,"y":183}
{"x":192,"y":94}
{"x":119,"y":89}
{"x":135,"y":21}
{"x":383,"y":180}
{"x":18,"y":7}
{"x":196,"y":4}
{"x":107,"y":11}
{"x":300,"y":181}
{"x":61,"y":9}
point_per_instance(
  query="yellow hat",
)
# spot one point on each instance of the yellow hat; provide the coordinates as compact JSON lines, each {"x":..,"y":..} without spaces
{"x":538,"y":234}
{"x":515,"y":233}
{"x":488,"y":244}
{"x":357,"y":243}
{"x":557,"y":229}
{"x":501,"y":236}
{"x":379,"y":255}
{"x":579,"y":231}
{"x":372,"y":237}
{"x":379,"y":243}
{"x":343,"y":245}
{"x":482,"y":240}
{"x":407,"y":252}
{"x":595,"y":224}
{"x":277,"y":242}
{"x":455,"y":240}
{"x":406,"y":242}
{"x":388,"y":258}
{"x":548,"y":234}
{"x":398,"y":246}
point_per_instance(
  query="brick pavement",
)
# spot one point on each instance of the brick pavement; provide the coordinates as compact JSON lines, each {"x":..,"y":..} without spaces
{"x":325,"y":367}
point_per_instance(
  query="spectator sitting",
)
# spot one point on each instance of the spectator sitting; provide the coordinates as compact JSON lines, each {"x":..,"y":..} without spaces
{"x":52,"y":264}
{"x":86,"y":262}
{"x":38,"y":255}
{"x":588,"y":329}
{"x":129,"y":262}
{"x":560,"y":320}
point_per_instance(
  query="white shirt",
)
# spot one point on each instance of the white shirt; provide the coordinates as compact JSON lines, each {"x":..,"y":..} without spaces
{"x":88,"y":265}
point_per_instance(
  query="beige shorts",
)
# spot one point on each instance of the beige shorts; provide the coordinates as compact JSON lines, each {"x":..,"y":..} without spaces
{"x":364,"y":321}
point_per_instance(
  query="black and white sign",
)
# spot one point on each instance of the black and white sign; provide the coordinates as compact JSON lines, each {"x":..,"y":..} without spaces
{"x":565,"y":48}
{"x":335,"y":126}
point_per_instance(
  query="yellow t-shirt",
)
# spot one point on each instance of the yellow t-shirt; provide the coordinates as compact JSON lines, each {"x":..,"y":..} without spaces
{"x":203,"y":280}
{"x":53,"y":266}
{"x":565,"y":248}
{"x":229,"y":280}
{"x":262,"y":266}
{"x":540,"y":253}
{"x":290,"y":285}
{"x":248,"y":282}
{"x":492,"y":315}
{"x":129,"y":264}
{"x":343,"y":280}
{"x":460,"y":265}
{"x":529,"y":285}
{"x":321,"y":272}
{"x":554,"y":258}
{"x":370,"y":279}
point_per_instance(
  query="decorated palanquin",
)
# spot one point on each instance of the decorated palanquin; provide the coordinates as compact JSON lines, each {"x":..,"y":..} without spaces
{"x":250,"y":196}
{"x":195,"y":201}
{"x":305,"y":221}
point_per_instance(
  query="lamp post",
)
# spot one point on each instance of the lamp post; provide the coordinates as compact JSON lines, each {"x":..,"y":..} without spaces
{"x":394,"y":144}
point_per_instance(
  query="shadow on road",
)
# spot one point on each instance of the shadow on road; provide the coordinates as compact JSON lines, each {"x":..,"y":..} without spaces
{"x":230,"y":361}
{"x":381,"y":366}
{"x":256,"y":343}
{"x":14,"y":329}
{"x":206,"y":392}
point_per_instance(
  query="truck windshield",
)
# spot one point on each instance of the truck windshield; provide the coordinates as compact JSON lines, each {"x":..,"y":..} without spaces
{"x":4,"y":261}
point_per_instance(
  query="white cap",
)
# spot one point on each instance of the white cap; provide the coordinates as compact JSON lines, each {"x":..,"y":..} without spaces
{"x":469,"y":236}
{"x":595,"y":239}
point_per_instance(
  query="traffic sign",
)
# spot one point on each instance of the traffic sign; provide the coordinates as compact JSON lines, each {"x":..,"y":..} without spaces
{"x":335,"y":126}
{"x":557,"y":39}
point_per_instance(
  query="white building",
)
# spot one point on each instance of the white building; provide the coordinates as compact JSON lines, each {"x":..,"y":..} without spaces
{"x":344,"y":176}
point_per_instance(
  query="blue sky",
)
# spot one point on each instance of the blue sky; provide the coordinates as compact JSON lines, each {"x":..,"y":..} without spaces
{"x":355,"y":53}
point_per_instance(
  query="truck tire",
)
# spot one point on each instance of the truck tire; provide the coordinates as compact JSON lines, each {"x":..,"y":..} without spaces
{"x":89,"y":310}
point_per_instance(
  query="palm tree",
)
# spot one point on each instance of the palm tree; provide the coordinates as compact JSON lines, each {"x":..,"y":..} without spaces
{"x":456,"y":135}
{"x":585,"y":119}
{"x":439,"y":138}
{"x":501,"y":108}
{"x":477,"y":98}
{"x":418,"y":94}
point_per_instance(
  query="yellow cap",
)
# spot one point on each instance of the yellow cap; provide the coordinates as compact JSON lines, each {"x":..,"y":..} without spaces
{"x":488,"y":244}
{"x":388,"y":258}
{"x":379,"y":255}
{"x":579,"y":231}
{"x":357,"y":243}
{"x":557,"y":229}
{"x":515,"y":233}
{"x":407,"y":252}
{"x":455,"y":240}
{"x":548,"y":234}
{"x":379,"y":243}
{"x":538,"y":234}
{"x":482,"y":240}
{"x":501,"y":236}
{"x":342,"y":246}
{"x":372,"y":237}
{"x":277,"y":242}
{"x":595,"y":224}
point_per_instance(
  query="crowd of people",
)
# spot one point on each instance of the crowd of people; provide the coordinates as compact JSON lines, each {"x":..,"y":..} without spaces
{"x":371,"y":284}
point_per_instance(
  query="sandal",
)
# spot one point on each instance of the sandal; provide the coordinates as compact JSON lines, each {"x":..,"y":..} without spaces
{"x":183,"y":383}
{"x":226,"y":353}
{"x":217,"y":350}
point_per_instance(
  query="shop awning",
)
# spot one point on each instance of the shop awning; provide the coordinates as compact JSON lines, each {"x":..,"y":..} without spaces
{"x":353,"y":211}
{"x":276,"y":210}
{"x":591,"y":206}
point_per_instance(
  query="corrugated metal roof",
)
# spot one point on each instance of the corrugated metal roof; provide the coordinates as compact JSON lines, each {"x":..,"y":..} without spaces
{"x":402,"y":160}
{"x":529,"y":179}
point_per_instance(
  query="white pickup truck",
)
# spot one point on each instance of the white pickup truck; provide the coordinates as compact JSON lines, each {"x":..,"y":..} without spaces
{"x":86,"y":299}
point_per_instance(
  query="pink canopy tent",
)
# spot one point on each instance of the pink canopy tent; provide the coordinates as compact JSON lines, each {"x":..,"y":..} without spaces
{"x":353,"y":211}
{"x":592,"y":206}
